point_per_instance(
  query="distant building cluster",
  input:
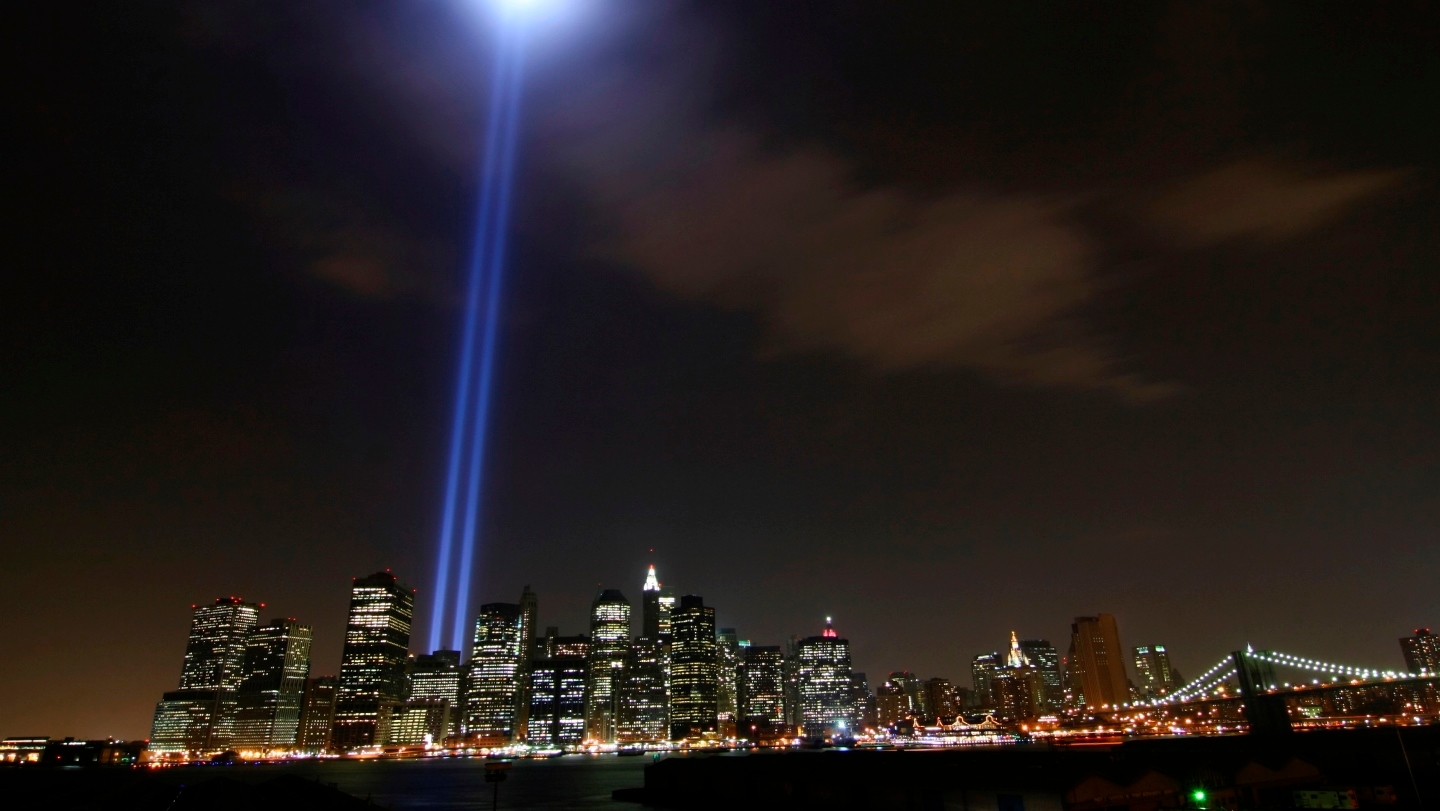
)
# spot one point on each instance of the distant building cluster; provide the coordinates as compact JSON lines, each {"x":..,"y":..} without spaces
{"x":246,"y":686}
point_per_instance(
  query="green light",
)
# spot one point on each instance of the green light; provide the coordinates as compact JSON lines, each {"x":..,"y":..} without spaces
{"x":1198,"y":795}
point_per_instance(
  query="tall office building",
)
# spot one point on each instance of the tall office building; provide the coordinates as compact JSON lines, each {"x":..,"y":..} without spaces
{"x":892,"y":705}
{"x":1097,"y":663}
{"x":436,"y":677}
{"x":277,"y":662}
{"x":557,"y":701}
{"x":982,"y":673}
{"x":1044,"y":657}
{"x":824,"y":672}
{"x":794,"y":718}
{"x":372,"y":664}
{"x":317,"y":713}
{"x":762,"y":692}
{"x":656,"y":605}
{"x":693,"y":680}
{"x":1153,"y":671}
{"x":914,"y":690}
{"x":862,"y":702}
{"x":609,"y":643}
{"x":941,"y":699}
{"x":727,"y":672}
{"x":199,"y":717}
{"x":1422,"y":651}
{"x":529,"y":614}
{"x":642,"y":709}
{"x":1019,"y":692}
{"x":491,"y":686}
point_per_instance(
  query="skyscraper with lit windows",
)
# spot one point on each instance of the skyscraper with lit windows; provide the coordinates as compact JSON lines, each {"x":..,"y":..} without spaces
{"x":437,"y":677}
{"x":1153,"y":671}
{"x":492,"y":685}
{"x":372,"y":665}
{"x":642,"y":708}
{"x":1422,"y":651}
{"x":277,"y":662}
{"x":762,"y":692}
{"x":694,"y":683}
{"x":1044,"y":657}
{"x":317,"y":714}
{"x":557,"y":701}
{"x":982,"y":673}
{"x":824,"y":673}
{"x":199,"y":717}
{"x":609,"y":645}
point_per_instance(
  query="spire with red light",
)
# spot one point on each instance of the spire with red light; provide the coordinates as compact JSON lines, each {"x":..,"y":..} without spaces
{"x":829,"y":632}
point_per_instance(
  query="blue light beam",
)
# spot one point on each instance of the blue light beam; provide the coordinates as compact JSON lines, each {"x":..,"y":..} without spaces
{"x":488,"y":253}
{"x":479,"y":432}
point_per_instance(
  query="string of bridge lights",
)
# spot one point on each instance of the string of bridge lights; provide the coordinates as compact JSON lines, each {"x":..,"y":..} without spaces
{"x":1314,"y":665}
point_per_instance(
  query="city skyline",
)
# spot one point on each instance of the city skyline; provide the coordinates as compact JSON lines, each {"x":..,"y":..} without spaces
{"x":918,"y":316}
{"x":208,"y":662}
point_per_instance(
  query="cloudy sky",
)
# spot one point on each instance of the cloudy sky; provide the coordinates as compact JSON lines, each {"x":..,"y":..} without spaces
{"x":941,"y":320}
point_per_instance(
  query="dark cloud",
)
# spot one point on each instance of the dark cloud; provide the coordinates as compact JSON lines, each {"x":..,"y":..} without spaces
{"x":1263,"y":200}
{"x":970,"y":279}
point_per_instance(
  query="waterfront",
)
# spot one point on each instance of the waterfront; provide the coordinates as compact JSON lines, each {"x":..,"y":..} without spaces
{"x":441,"y":784}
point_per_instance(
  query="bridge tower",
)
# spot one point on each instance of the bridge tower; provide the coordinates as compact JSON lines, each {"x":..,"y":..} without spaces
{"x":1265,"y":711}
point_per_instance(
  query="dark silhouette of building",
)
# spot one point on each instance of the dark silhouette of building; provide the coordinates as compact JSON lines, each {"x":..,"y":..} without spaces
{"x":982,"y":672}
{"x":1097,"y":663}
{"x":372,"y":666}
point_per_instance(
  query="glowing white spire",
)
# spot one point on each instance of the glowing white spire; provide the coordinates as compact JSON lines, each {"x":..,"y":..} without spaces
{"x":651,"y":584}
{"x":1017,"y":657}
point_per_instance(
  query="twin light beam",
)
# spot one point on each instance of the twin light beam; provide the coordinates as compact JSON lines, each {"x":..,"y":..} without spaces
{"x":461,"y":521}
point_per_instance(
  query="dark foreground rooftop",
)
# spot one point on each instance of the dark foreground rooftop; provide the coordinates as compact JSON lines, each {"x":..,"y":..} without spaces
{"x":1369,"y":766}
{"x":126,"y":789}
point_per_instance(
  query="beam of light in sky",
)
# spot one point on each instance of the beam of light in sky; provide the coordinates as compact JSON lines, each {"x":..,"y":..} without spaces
{"x":472,"y":401}
{"x":508,"y":68}
{"x":467,"y":357}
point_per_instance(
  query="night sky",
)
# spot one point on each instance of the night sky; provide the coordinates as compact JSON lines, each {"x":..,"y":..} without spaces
{"x":944,"y":321}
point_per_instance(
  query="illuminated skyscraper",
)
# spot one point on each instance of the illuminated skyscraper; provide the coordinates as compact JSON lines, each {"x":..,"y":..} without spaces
{"x":277,"y":662}
{"x":437,"y":677}
{"x":1153,"y":671}
{"x":529,"y":612}
{"x":891,"y":704}
{"x":1097,"y":663}
{"x":862,"y":702}
{"x":492,"y":686}
{"x":609,"y":644}
{"x":1422,"y":651}
{"x":982,"y":672}
{"x":557,"y":701}
{"x":317,"y":713}
{"x":642,"y":707}
{"x":199,"y":717}
{"x":941,"y":699}
{"x":655,"y":608}
{"x":727,"y":671}
{"x":1044,"y":657}
{"x":762,"y":692}
{"x":372,"y":665}
{"x":693,"y":681}
{"x":825,"y":702}
{"x":915,"y":703}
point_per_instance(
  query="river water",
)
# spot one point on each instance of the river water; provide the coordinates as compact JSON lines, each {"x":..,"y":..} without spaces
{"x":440,"y":784}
